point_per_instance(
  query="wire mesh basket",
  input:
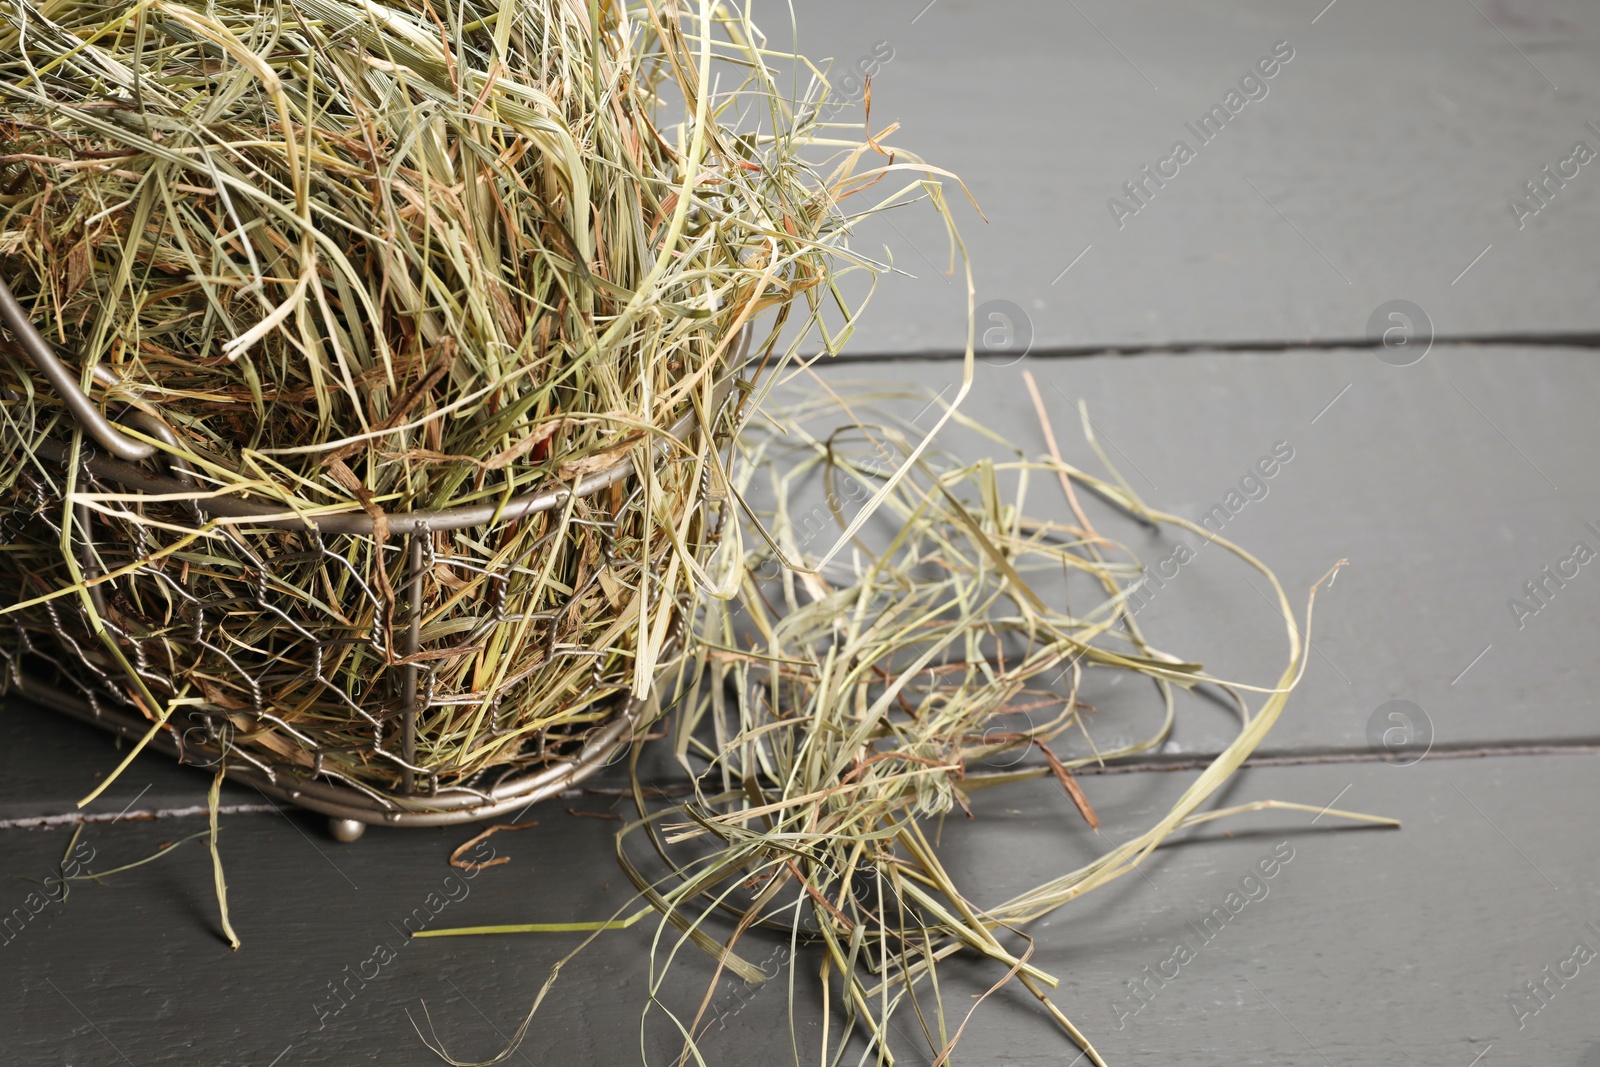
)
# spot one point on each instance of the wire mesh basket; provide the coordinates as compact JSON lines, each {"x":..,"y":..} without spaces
{"x":325,"y":706}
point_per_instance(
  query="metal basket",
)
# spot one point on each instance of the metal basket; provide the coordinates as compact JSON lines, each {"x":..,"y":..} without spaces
{"x":55,"y":676}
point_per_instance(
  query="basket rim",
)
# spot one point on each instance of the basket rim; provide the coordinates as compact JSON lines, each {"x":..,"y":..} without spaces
{"x":447,"y":807}
{"x":130,"y":476}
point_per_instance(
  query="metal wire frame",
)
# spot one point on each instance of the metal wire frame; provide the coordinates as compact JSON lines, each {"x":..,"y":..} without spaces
{"x":421,"y":800}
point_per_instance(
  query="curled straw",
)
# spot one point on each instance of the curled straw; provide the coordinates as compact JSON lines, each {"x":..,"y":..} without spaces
{"x":829,"y":722}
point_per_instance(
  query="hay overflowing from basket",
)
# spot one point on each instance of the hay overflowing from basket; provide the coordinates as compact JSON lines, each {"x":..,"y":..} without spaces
{"x":844,"y":704}
{"x":343,"y":268}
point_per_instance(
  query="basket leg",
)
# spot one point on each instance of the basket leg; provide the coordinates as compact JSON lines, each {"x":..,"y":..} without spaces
{"x":345,"y":830}
{"x":408,"y":699}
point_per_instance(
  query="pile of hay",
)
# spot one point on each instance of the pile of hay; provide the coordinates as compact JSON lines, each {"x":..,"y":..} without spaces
{"x":845,"y":702}
{"x":340,"y":262}
{"x":366,"y":259}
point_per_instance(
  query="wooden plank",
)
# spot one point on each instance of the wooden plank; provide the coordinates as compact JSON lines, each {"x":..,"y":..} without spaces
{"x":1343,"y":956}
{"x":1383,"y":160}
{"x":50,"y":761}
{"x":1364,"y":946}
{"x":1449,"y":485}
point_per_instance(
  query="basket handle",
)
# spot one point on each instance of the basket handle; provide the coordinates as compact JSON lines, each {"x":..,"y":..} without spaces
{"x":66,"y":385}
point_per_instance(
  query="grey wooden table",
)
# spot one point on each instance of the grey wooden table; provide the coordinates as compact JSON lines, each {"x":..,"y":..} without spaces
{"x":1385,"y":161}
